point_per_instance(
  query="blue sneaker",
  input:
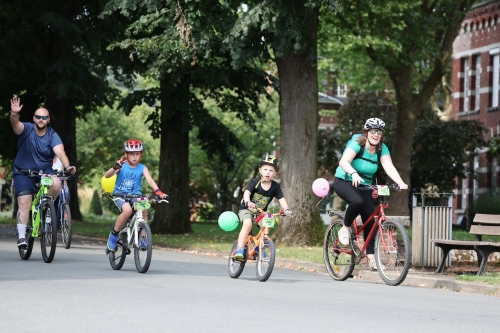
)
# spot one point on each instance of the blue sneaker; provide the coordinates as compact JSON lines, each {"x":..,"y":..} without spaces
{"x":239,"y":255}
{"x":112,"y":242}
{"x":143,"y":243}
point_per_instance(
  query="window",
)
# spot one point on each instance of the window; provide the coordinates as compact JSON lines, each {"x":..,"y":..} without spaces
{"x":465,"y":66}
{"x":477,"y":87}
{"x":495,"y":83}
{"x":495,"y":77}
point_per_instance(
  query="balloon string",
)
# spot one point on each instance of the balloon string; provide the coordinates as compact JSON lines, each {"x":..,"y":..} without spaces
{"x":320,"y":201}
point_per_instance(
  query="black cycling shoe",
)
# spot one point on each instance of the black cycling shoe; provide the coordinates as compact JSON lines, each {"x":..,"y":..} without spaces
{"x":22,"y":243}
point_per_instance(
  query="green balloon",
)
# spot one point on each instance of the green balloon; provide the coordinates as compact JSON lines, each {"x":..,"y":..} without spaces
{"x":228,"y":221}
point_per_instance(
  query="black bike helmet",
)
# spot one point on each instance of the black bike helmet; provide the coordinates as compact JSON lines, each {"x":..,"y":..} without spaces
{"x":270,"y":160}
{"x":374,"y":123}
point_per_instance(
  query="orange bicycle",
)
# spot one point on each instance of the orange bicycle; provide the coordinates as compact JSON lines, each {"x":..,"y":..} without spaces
{"x":392,"y":245}
{"x":258,"y":248}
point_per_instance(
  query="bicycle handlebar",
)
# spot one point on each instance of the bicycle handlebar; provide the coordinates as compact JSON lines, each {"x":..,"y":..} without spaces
{"x":63,"y":174}
{"x":375,"y":187}
{"x":136,"y":196}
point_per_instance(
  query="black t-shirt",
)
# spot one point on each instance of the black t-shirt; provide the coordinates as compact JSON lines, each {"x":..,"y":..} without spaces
{"x":260,"y":197}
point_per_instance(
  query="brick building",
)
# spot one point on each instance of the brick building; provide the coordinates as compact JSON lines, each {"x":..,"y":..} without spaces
{"x":475,"y":85}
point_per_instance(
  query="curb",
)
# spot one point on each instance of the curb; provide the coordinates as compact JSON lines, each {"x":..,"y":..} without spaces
{"x":423,"y":280}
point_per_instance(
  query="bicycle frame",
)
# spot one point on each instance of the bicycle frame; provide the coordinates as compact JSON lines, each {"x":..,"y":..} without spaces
{"x":379,"y":216}
{"x":260,"y":238}
{"x":37,"y":200}
{"x":131,"y":227}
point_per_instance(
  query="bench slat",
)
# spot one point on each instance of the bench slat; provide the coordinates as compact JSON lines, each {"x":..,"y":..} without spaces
{"x":487,"y":219}
{"x":485,"y":230}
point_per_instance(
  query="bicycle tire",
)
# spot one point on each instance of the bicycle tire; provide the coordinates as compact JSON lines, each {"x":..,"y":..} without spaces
{"x":339,"y":260}
{"x":265,"y":260}
{"x":394,"y":258}
{"x":25,"y":252}
{"x":66,"y":229}
{"x":117,"y":258}
{"x":143,"y":252}
{"x":48,"y":236}
{"x":235,"y":267}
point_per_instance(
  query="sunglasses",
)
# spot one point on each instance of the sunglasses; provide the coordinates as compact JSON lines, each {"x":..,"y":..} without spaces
{"x":41,"y":117}
{"x":376,"y":131}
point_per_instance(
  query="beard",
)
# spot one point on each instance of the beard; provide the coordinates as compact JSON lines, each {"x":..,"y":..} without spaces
{"x":41,"y":127}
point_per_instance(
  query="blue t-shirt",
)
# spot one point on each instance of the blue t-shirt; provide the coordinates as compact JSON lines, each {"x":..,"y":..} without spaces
{"x":36,"y":152}
{"x":364,"y":168}
{"x":128,"y":180}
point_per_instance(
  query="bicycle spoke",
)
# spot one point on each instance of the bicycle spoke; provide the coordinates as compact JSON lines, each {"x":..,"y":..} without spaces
{"x":339,"y":260}
{"x":392,"y":252}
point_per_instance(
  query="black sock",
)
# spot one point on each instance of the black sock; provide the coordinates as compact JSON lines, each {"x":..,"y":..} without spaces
{"x":116,"y":233}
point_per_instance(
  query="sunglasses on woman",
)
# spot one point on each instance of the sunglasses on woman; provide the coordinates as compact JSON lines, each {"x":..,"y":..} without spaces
{"x":376,"y":131}
{"x":41,"y":117}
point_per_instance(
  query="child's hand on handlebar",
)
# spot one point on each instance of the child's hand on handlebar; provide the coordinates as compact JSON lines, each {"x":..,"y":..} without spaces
{"x":288,"y":212}
{"x":160,"y":194}
{"x":403,"y":186}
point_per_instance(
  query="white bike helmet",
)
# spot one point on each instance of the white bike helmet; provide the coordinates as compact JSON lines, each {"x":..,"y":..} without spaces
{"x":374,"y":123}
{"x":133,"y":145}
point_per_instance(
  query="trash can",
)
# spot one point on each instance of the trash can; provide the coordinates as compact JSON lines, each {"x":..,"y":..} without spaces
{"x":431,"y":219}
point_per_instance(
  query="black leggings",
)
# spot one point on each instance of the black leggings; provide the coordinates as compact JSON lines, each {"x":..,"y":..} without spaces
{"x":360,"y":203}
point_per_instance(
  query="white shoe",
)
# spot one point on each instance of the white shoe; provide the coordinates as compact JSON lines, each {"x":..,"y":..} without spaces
{"x":373,"y":266}
{"x":344,"y":236}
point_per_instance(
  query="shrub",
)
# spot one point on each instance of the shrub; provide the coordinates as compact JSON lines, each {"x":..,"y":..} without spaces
{"x":485,"y":204}
{"x":95,"y":204}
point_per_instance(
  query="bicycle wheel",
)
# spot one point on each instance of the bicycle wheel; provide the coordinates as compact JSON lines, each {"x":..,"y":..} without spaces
{"x":25,"y":252}
{"x":339,"y":260}
{"x":235,"y":267}
{"x":143,"y":252}
{"x":66,"y":231}
{"x":265,"y":261}
{"x":117,"y":258}
{"x":48,"y":227}
{"x":392,"y":252}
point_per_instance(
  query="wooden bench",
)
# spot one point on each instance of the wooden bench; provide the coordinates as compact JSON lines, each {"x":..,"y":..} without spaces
{"x":483,"y":224}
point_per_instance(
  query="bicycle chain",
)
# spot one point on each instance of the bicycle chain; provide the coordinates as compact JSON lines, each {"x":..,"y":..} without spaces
{"x":357,"y":253}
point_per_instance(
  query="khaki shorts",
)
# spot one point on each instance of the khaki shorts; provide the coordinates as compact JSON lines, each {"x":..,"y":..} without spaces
{"x":245,"y":214}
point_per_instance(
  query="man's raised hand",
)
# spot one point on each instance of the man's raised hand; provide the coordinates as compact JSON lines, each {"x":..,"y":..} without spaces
{"x":14,"y":104}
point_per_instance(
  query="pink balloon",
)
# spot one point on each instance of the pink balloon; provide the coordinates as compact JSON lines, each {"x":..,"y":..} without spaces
{"x":321,"y":187}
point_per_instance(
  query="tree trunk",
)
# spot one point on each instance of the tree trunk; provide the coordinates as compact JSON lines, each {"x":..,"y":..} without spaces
{"x":298,"y":144}
{"x":63,"y":120}
{"x":407,"y":121}
{"x":173,"y":218}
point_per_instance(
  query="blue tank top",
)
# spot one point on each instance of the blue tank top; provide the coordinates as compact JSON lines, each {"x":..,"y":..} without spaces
{"x":128,"y":180}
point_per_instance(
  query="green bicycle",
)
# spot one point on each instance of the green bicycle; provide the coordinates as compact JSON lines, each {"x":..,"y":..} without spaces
{"x":42,"y":217}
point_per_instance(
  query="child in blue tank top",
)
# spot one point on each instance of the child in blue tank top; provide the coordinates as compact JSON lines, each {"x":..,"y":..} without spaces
{"x":129,"y":174}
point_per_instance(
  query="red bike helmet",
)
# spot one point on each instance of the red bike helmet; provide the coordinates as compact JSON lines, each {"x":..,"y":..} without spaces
{"x":133,"y":145}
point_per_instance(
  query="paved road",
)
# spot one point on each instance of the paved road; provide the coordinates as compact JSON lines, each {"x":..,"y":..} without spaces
{"x":182,"y":292}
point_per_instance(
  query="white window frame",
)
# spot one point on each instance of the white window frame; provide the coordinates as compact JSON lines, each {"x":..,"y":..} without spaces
{"x":466,"y":85}
{"x":478,"y":82}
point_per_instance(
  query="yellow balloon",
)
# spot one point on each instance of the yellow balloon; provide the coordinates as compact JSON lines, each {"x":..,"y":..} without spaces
{"x":108,"y":184}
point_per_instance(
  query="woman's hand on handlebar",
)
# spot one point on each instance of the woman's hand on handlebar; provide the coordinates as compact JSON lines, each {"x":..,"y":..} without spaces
{"x":402,"y":186}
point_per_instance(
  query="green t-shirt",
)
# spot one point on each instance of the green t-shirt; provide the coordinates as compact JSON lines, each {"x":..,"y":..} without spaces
{"x":364,"y":168}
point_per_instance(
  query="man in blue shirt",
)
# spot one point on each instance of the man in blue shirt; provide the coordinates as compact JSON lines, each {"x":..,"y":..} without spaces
{"x":37,"y":145}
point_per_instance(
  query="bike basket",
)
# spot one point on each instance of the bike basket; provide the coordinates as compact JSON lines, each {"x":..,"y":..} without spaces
{"x":142,"y":204}
{"x":268,"y":221}
{"x":383,"y":190}
{"x":47,"y":181}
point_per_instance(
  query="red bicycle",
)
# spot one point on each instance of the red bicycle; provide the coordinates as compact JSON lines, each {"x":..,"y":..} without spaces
{"x":392,"y":245}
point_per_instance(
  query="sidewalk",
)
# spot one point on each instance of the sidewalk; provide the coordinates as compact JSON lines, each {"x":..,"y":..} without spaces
{"x":416,"y":278}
